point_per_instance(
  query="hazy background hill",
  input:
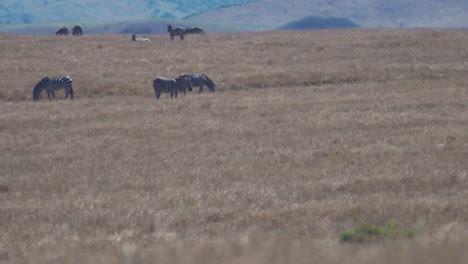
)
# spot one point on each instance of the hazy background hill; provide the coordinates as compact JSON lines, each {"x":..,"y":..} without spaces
{"x":266,"y":14}
{"x":47,"y":11}
{"x":152,"y":16}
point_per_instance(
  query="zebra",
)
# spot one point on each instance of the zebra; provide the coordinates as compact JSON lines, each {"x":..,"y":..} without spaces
{"x":144,"y":39}
{"x":178,"y":31}
{"x":77,"y":30}
{"x":186,"y":85}
{"x":199,"y":80}
{"x":52,"y":84}
{"x":195,"y":30}
{"x":172,"y":86}
{"x":62,"y":31}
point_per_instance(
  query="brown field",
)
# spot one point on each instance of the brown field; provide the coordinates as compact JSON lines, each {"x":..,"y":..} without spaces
{"x":308,"y":134}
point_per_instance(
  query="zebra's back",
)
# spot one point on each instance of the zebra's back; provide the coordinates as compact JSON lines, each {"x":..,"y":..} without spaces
{"x":59,"y":82}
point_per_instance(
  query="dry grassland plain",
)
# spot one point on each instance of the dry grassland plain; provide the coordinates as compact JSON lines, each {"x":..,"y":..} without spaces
{"x":307,"y":135}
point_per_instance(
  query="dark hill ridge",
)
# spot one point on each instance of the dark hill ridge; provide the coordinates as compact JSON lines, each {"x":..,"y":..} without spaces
{"x":319,"y":23}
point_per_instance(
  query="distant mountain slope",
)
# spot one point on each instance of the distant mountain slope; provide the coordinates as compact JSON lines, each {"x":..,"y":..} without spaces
{"x":52,"y":11}
{"x":269,"y":14}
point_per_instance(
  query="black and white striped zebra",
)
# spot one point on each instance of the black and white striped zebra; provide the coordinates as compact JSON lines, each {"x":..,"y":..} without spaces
{"x":53,"y":84}
{"x":199,"y":80}
{"x":172,"y":86}
{"x":178,"y":31}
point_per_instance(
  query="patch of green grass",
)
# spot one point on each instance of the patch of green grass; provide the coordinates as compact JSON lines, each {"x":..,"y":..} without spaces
{"x":367,"y":233}
{"x":411,"y":233}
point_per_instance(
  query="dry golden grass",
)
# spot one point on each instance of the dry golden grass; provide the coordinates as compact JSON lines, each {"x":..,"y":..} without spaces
{"x":309,"y":134}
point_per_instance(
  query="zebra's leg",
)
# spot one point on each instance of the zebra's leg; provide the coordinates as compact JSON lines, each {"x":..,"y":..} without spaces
{"x":201,"y":89}
{"x":158,"y":94}
{"x":48,"y":95}
{"x":69,"y":92}
{"x":53,"y":94}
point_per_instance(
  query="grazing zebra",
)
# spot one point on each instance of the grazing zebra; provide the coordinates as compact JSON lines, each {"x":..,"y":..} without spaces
{"x":199,"y":80}
{"x":195,"y":30}
{"x":62,"y":31}
{"x":77,"y":30}
{"x":178,"y":31}
{"x":52,"y":84}
{"x":163,"y":85}
{"x":144,"y":39}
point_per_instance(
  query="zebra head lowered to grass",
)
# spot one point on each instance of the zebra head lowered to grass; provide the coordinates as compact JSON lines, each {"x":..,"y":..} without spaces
{"x":53,"y":84}
{"x":178,"y":31}
{"x":200,"y":80}
{"x":172,"y":86}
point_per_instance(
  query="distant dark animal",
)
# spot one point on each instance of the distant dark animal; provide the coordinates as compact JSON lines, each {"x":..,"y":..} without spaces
{"x":178,"y":31}
{"x":77,"y":30}
{"x":163,"y":85}
{"x":53,"y":84}
{"x":195,"y":30}
{"x":62,"y":31}
{"x":199,"y":80}
{"x":144,"y":39}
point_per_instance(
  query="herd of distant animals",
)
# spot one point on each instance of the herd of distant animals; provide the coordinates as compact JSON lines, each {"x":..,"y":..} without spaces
{"x":182,"y":83}
{"x":173,"y":31}
{"x":76,"y":31}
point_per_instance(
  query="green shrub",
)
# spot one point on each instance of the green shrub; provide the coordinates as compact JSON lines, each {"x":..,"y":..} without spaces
{"x":367,"y":232}
{"x":346,"y":236}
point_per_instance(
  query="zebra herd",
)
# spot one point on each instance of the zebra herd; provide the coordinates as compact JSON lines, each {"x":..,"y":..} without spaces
{"x":183,"y":82}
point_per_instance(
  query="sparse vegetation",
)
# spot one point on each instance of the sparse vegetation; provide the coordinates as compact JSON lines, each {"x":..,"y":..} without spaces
{"x":308,"y":134}
{"x":368,"y":233}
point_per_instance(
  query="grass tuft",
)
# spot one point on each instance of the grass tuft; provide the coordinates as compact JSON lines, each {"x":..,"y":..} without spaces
{"x":368,"y":233}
